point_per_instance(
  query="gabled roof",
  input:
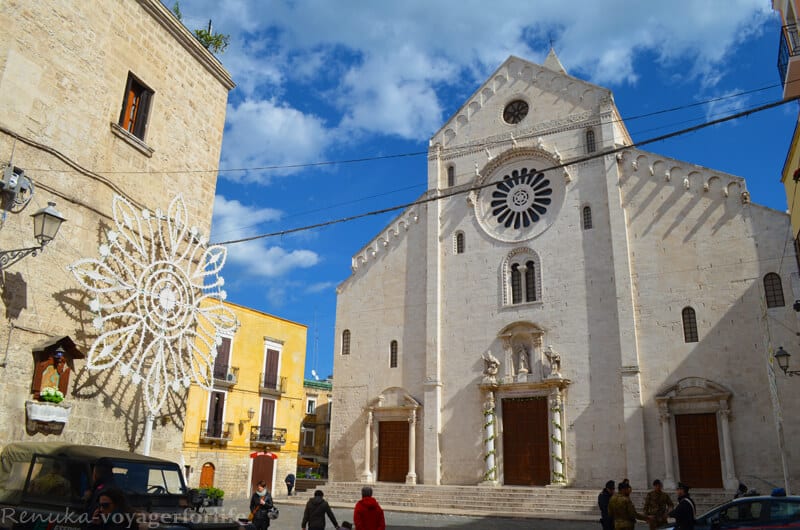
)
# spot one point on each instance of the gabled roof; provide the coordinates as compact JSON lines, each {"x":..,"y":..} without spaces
{"x":515,"y":69}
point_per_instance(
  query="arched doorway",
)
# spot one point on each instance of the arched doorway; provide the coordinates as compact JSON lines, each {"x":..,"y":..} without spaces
{"x":263,"y":469}
{"x":698,"y":449}
{"x":207,"y":475}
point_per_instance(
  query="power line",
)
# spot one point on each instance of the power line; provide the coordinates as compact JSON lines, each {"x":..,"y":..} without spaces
{"x":418,"y":153}
{"x":453,"y":193}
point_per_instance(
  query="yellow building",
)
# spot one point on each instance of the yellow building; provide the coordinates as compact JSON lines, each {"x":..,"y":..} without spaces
{"x":315,"y":431}
{"x":246,"y":428}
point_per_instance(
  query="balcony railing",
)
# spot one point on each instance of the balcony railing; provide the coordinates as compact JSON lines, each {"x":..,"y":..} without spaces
{"x":267,"y":436}
{"x":226,"y":376}
{"x":270,"y":384}
{"x":216,"y":431}
{"x":788,"y":47}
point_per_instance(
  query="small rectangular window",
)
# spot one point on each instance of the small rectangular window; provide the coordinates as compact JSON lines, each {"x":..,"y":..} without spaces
{"x":311,"y":406}
{"x":135,"y":107}
{"x":308,"y":438}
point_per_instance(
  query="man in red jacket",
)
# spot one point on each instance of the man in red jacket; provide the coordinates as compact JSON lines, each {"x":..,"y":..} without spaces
{"x":368,"y":514}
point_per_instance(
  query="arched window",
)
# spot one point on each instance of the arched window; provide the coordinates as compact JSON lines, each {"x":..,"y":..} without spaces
{"x":587,"y":218}
{"x":689,"y":325}
{"x":451,"y":176}
{"x":346,"y":342}
{"x":459,"y":243}
{"x":516,"y":284}
{"x":530,"y":281}
{"x":393,"y":354}
{"x":521,"y":277}
{"x":591,"y":147}
{"x":773,"y":290}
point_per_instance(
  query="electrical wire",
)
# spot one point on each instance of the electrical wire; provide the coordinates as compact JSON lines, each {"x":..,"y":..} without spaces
{"x":453,"y":193}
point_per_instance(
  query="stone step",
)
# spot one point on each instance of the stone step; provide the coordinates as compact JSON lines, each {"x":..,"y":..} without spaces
{"x":521,"y":501}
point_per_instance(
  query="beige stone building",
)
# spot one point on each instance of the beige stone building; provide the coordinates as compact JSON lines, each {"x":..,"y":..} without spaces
{"x":571,"y":309}
{"x":97,"y":99}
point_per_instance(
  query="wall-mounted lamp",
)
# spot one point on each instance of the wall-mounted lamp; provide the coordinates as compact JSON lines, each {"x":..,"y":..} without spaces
{"x":46,"y":223}
{"x":782,"y":357}
{"x":250,"y":413}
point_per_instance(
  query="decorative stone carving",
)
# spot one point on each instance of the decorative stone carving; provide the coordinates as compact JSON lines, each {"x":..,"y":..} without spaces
{"x":490,"y":368}
{"x":555,"y":362}
{"x":523,"y":361}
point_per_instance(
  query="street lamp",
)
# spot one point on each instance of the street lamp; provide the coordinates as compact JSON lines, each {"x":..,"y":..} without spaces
{"x":782,"y":356}
{"x":46,"y":223}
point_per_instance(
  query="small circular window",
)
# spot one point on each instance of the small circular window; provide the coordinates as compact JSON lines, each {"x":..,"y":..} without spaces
{"x":515,"y":112}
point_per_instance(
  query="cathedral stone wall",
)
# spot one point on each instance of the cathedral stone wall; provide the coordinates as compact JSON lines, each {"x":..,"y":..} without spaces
{"x":63,"y":72}
{"x":607,"y":304}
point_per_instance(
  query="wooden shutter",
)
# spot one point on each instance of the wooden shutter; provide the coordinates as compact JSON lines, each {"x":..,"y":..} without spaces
{"x":271,"y":369}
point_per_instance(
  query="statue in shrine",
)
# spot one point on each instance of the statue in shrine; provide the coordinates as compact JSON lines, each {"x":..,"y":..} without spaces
{"x":555,"y":361}
{"x":490,"y":367}
{"x":523,"y":362}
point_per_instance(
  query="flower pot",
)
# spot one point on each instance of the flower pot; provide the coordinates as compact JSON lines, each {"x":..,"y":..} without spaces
{"x":46,"y":411}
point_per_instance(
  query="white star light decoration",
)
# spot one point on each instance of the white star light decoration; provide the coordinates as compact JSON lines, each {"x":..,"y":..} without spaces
{"x":157,"y":294}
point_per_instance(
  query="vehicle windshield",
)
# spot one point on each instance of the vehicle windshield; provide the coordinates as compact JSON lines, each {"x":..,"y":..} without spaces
{"x":148,"y":478}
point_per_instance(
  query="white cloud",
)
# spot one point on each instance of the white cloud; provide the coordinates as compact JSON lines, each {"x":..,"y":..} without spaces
{"x":319,"y":287}
{"x":266,"y":133}
{"x":383,"y":65}
{"x":233,"y":220}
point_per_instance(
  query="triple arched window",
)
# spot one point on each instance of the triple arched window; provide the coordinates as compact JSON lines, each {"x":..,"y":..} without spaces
{"x":521,"y":280}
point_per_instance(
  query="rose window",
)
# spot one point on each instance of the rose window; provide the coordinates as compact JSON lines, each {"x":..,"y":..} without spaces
{"x":521,"y":198}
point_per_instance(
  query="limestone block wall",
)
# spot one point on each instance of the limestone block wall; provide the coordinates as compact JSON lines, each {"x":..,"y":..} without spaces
{"x":63,"y":70}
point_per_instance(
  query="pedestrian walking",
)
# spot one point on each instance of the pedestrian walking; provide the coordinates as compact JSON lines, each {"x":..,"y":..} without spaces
{"x":606,"y":521}
{"x":260,"y":505}
{"x":316,"y":510}
{"x":657,"y":505}
{"x":289,"y":483}
{"x":685,"y":511}
{"x":621,"y":508}
{"x":368,"y":514}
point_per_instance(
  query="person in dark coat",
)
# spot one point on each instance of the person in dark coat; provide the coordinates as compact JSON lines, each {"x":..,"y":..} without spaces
{"x":314,"y":514}
{"x":289,"y":484}
{"x":606,"y":521}
{"x":260,"y":504}
{"x":368,"y":514}
{"x":684,"y":512}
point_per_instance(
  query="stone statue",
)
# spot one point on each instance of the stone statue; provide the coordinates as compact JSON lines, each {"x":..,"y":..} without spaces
{"x":555,"y":361}
{"x":524,"y":362}
{"x":490,"y":367}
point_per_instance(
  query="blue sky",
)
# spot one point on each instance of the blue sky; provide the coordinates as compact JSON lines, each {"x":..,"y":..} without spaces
{"x":325,"y":81}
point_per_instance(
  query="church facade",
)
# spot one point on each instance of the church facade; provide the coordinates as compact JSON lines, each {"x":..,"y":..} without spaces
{"x":564,"y":308}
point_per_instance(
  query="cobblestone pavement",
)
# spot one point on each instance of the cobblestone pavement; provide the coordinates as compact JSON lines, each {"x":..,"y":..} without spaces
{"x":292,"y":514}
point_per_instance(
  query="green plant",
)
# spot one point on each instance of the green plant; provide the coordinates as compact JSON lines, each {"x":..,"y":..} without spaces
{"x":51,"y":394}
{"x":214,"y":42}
{"x":213,"y":493}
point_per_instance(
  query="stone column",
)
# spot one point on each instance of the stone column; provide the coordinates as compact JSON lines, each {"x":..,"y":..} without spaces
{"x":666,"y":438}
{"x":730,"y":482}
{"x":489,"y":414}
{"x":366,"y":475}
{"x":557,"y":441}
{"x":411,"y":477}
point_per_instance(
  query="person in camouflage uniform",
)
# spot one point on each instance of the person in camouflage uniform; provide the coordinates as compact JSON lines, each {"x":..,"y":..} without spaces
{"x":621,"y":508}
{"x":657,"y":505}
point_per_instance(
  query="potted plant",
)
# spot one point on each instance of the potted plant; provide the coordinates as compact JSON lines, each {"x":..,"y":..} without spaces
{"x":214,"y":495}
{"x":51,"y":394}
